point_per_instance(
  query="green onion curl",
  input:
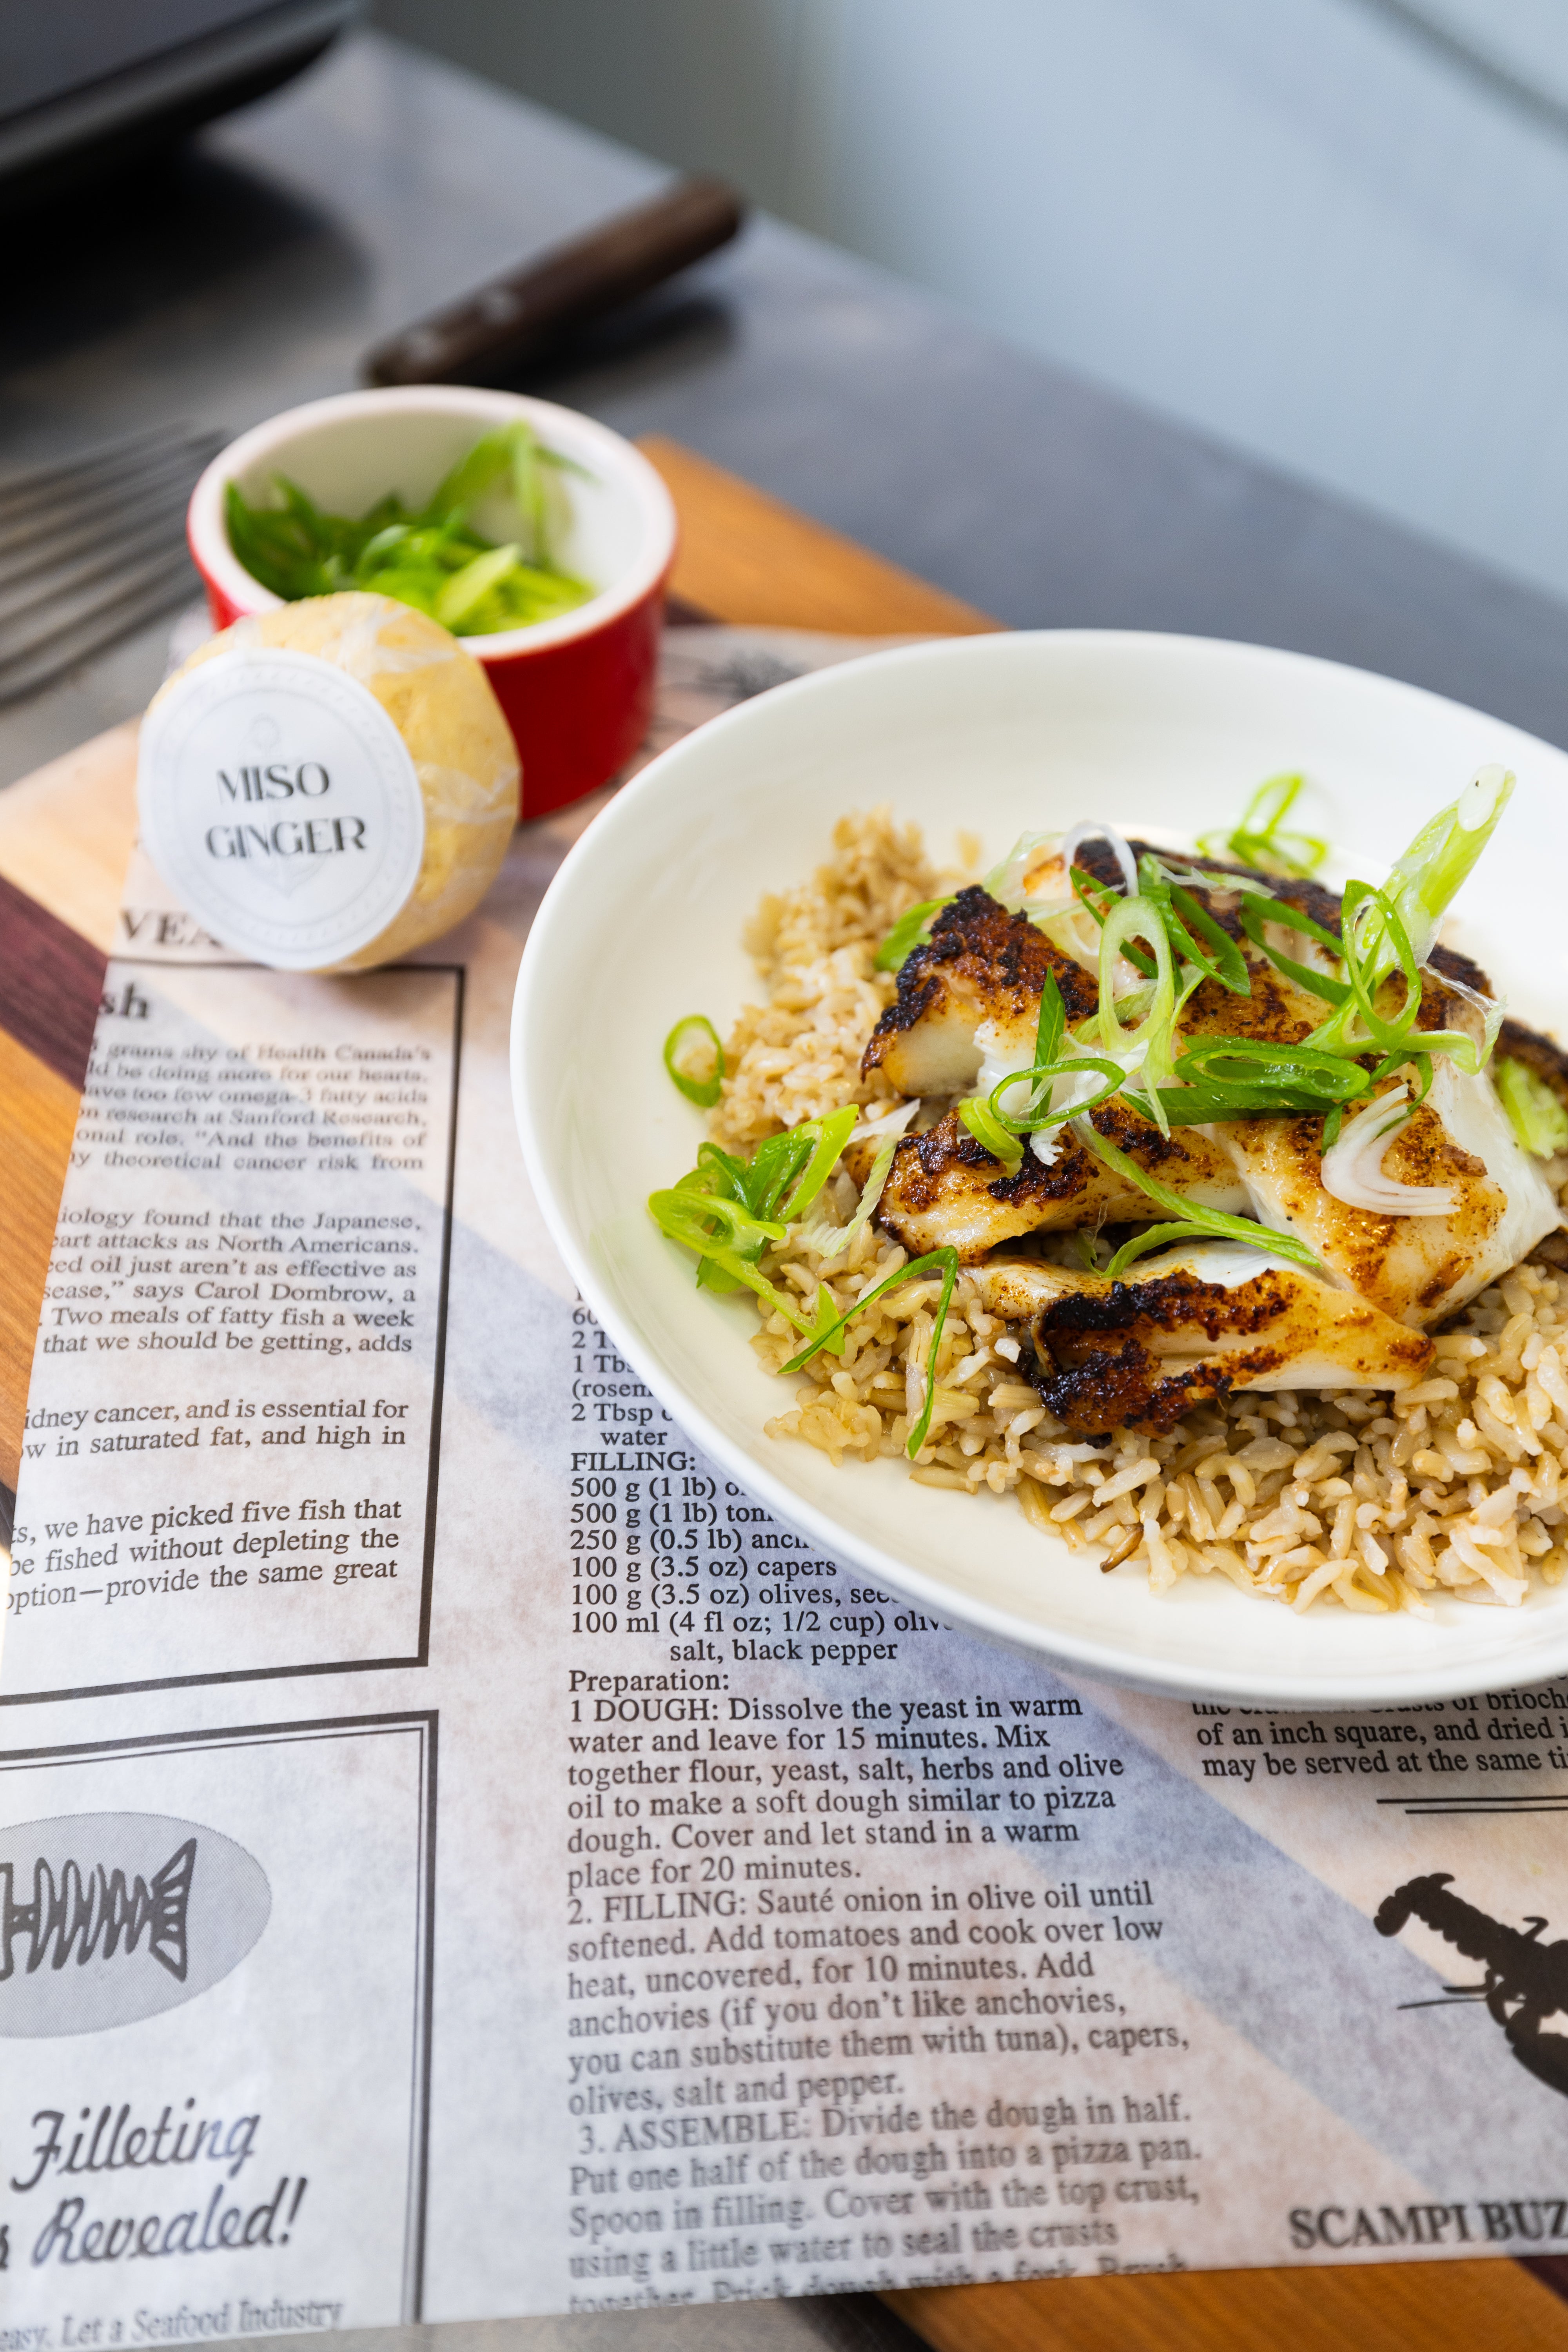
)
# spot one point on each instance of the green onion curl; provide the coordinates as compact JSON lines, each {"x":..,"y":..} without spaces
{"x":947,"y":1259}
{"x":720,"y":1232}
{"x":996,"y":1129}
{"x":1256,"y":911}
{"x":1099,"y":901}
{"x":870,"y":1195}
{"x":1186,"y":921}
{"x":1211,"y":1224}
{"x":1153,"y":1237}
{"x":1374,"y":943}
{"x":988,"y":1131}
{"x":1247,"y":1077}
{"x":1424,"y":881}
{"x":1373,"y":932}
{"x":1039,"y":1116}
{"x":909,"y":932}
{"x":1259,"y":840}
{"x":704,"y":1092}
{"x":1153,"y":1035}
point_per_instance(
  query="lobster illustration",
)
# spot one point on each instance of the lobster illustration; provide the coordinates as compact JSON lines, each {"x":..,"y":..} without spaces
{"x":1526,"y":1982}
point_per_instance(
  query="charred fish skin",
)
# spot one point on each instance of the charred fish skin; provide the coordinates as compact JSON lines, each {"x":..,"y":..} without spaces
{"x":1538,"y":1053}
{"x":1213,"y":1320}
{"x":945,"y":1190}
{"x":981,"y":963}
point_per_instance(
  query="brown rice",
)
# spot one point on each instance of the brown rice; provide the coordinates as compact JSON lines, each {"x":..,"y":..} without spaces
{"x":1459,"y":1484}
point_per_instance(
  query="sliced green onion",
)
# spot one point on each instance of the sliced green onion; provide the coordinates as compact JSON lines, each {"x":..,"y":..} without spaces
{"x":772,"y":1168}
{"x":907,"y":933}
{"x":871,"y":1193}
{"x":947,"y":1259}
{"x":698,"y":1218}
{"x":1130,"y":920}
{"x":1264,"y":1076}
{"x":1050,"y":1063}
{"x":828,"y":1137}
{"x":1374,"y":942}
{"x":431,"y":558}
{"x":988,"y":1131}
{"x":1259,"y":840}
{"x":823,"y":1320}
{"x":1040,"y":1115}
{"x":1534,"y":1111}
{"x":1425,"y":879}
{"x":1395,"y":929}
{"x":718,"y":1233}
{"x":727,"y":1240}
{"x":704,"y":1092}
{"x":728,"y":1209}
{"x":1229,"y":965}
{"x":1186,"y":920}
{"x":1211,"y":1222}
{"x":1100,"y":902}
{"x":466,"y":591}
{"x":1153,"y":1035}
{"x":1255,"y":911}
{"x":1153,"y":1237}
{"x":1052,"y":1025}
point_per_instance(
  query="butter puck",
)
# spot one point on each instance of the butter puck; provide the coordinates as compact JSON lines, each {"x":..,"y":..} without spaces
{"x":329,"y":785}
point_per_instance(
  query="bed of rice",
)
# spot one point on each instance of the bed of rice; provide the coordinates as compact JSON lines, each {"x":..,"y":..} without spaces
{"x":1459,"y":1485}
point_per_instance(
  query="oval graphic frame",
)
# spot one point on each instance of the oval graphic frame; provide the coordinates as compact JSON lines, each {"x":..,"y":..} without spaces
{"x":107,"y":1918}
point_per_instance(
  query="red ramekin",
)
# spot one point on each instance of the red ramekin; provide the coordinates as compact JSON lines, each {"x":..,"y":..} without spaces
{"x":577,"y":691}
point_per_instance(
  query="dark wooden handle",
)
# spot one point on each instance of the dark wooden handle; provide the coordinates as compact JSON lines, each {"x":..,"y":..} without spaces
{"x":521,"y":318}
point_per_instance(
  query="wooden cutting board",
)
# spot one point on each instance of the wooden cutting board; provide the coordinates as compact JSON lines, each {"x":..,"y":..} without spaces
{"x":65,"y":834}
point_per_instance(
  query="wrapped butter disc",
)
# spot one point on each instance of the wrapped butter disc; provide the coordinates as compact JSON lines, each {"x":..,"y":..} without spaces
{"x":329,"y":785}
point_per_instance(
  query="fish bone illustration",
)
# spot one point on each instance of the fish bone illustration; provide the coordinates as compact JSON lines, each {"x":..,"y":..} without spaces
{"x":93,"y":1913}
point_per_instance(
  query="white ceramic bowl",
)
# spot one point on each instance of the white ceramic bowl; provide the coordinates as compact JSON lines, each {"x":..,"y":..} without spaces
{"x":995,"y":734}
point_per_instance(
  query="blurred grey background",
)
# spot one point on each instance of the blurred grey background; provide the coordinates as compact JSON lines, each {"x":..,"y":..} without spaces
{"x":1331,"y":232}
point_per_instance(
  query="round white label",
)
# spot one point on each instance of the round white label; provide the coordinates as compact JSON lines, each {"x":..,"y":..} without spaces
{"x":280,"y":802}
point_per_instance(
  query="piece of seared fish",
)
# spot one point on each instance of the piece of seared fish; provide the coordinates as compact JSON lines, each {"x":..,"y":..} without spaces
{"x":1198,"y":1324}
{"x":944,"y":1191}
{"x":1418,"y":1269}
{"x":972,"y":994}
{"x":980,"y":964}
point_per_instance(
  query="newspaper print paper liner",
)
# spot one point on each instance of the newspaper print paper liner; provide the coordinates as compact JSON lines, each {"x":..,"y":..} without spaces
{"x":997,"y":735}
